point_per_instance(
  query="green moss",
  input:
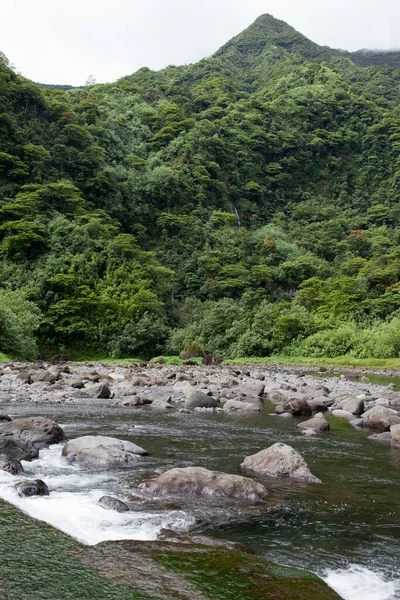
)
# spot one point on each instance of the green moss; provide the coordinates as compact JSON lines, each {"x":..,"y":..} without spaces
{"x":39,"y":562}
{"x":228,"y":575}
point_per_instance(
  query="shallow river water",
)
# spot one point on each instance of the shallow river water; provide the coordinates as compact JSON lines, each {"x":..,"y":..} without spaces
{"x":347,"y":530}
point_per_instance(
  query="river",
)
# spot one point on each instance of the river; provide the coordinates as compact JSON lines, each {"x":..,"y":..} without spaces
{"x":346,"y":530}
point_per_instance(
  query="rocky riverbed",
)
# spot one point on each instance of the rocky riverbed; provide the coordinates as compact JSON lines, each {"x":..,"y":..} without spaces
{"x":232,"y":450}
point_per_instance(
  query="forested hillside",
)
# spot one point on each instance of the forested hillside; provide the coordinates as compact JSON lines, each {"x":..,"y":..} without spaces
{"x":249,"y":202}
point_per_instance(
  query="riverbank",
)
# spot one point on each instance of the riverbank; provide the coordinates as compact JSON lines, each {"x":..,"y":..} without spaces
{"x":339,"y":529}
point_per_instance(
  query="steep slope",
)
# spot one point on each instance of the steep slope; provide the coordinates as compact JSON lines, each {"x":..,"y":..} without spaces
{"x":247,"y":201}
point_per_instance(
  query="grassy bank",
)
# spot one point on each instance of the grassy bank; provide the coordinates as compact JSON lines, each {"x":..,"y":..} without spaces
{"x":341,"y":361}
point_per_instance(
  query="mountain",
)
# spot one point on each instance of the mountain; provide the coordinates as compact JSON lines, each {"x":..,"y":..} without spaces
{"x":248,"y":203}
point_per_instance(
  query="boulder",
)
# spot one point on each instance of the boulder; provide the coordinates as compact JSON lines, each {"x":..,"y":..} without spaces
{"x":320,"y":403}
{"x":279,"y":460}
{"x":383,"y":422}
{"x":130,"y":401}
{"x":276,"y":396}
{"x":201,"y":484}
{"x":103,"y":391}
{"x":352,"y":405}
{"x":10,"y":465}
{"x":239,"y":406}
{"x":44,"y":376}
{"x":295,"y":406}
{"x":77,"y":383}
{"x":102,"y":451}
{"x":161,"y":404}
{"x":200,"y":400}
{"x":317,"y":423}
{"x":313,"y":391}
{"x":250,"y":388}
{"x":37,"y":431}
{"x":32,"y":487}
{"x":17,"y":449}
{"x":378,"y":410}
{"x":5,"y":418}
{"x":343,"y":414}
{"x":113,"y":504}
{"x":395,"y":435}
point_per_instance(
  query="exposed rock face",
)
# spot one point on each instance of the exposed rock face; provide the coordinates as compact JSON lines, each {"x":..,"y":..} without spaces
{"x":36,"y":431}
{"x":113,"y":504}
{"x":102,"y":451}
{"x":200,"y":400}
{"x":295,"y":406}
{"x":33,"y":487}
{"x":395,"y":433}
{"x":239,"y":406}
{"x":279,"y":460}
{"x":317,"y":423}
{"x":202,"y":484}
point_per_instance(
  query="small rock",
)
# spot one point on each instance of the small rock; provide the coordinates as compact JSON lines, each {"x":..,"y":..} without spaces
{"x":317,"y":423}
{"x":113,"y":504}
{"x":238,"y":406}
{"x":32,"y":487}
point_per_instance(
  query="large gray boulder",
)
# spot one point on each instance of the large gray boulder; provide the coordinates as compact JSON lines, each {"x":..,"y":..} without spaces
{"x":36,"y":431}
{"x":17,"y":449}
{"x":318,"y":423}
{"x":378,"y":410}
{"x":200,"y":400}
{"x":102,"y":451}
{"x":352,"y":405}
{"x":212,"y":487}
{"x":279,"y":460}
{"x":297,"y":407}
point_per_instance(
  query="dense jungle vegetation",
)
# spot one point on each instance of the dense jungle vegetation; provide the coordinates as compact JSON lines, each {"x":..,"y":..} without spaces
{"x":249,"y":202}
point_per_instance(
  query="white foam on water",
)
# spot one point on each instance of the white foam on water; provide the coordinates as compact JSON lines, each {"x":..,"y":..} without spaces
{"x":360,"y":583}
{"x":72,"y":505}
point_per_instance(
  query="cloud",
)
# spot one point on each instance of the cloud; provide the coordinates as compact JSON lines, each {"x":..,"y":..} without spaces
{"x":54,"y":42}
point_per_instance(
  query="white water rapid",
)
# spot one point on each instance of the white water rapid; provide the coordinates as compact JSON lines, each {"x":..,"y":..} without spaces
{"x":72,"y":505}
{"x":360,"y":583}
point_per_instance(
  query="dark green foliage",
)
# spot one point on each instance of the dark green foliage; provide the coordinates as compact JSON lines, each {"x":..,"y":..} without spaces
{"x":246,"y":202}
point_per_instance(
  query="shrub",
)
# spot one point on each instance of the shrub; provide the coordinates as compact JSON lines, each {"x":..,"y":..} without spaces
{"x":192,"y":350}
{"x":330,"y":343}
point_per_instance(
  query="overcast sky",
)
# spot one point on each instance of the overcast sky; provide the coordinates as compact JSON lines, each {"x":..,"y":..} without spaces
{"x":63,"y":42}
